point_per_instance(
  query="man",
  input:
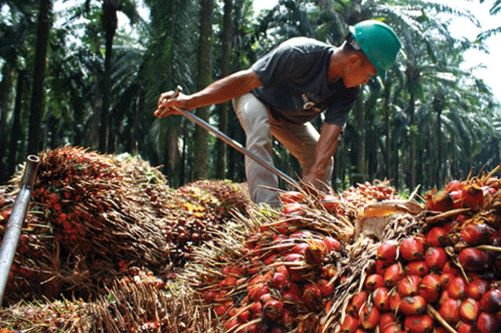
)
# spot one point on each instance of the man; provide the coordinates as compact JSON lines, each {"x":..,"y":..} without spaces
{"x":287,"y":88}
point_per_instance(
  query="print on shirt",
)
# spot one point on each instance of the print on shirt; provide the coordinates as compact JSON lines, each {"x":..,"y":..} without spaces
{"x":310,"y":105}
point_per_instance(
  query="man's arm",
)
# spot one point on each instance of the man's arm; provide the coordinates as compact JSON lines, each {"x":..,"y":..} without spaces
{"x":220,"y":91}
{"x":324,"y":151}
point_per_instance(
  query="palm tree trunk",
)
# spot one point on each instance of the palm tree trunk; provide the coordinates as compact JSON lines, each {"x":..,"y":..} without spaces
{"x":438,"y":105}
{"x":413,"y":143}
{"x":387,"y":131}
{"x":222,"y":151}
{"x":5,"y":86}
{"x":361,"y":160}
{"x":109,"y":21}
{"x":201,"y":161}
{"x":16,"y":122}
{"x":35,"y":142}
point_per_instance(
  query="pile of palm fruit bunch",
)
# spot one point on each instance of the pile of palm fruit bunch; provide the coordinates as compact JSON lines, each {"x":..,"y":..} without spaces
{"x":394,"y":267}
{"x":198,"y":210}
{"x":98,"y":215}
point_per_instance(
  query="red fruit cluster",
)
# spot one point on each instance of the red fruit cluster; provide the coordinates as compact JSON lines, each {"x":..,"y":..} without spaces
{"x":457,"y":194}
{"x":418,"y":273}
{"x":286,"y":275}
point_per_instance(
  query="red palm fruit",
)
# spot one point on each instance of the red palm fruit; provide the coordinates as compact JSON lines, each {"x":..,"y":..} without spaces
{"x":326,"y":289}
{"x":408,"y":285}
{"x":386,"y":320}
{"x":469,"y":310}
{"x":244,"y":316}
{"x":387,"y":252}
{"x":491,"y":301}
{"x":393,"y":274}
{"x":445,"y":278}
{"x":373,"y":282}
{"x":395,"y":301}
{"x":457,"y":199}
{"x":380,"y":267}
{"x":454,"y":185}
{"x":457,"y":288}
{"x":293,"y":208}
{"x":369,"y":317}
{"x":440,"y":201}
{"x":209,"y":296}
{"x":450,"y":267}
{"x":330,"y":203}
{"x":230,"y":324}
{"x":293,"y":257}
{"x":289,"y":297}
{"x":273,"y":309}
{"x":474,"y":234}
{"x":418,"y":267}
{"x":256,"y":308}
{"x":265,"y":298}
{"x":332,"y":244}
{"x":444,"y":296}
{"x":357,"y":302}
{"x":463,"y":327}
{"x":279,"y":280}
{"x":429,"y":288}
{"x":436,"y":236}
{"x":220,"y":310}
{"x":419,"y":324}
{"x":473,"y":196}
{"x":449,"y":310}
{"x":435,"y":258}
{"x":381,"y":298}
{"x":312,"y":297}
{"x":412,"y":305}
{"x":288,"y":320}
{"x":258,"y":290}
{"x":476,"y":289}
{"x":291,"y":197}
{"x":412,"y":248}
{"x":299,"y":248}
{"x":349,"y":325}
{"x":328,"y":306}
{"x":473,"y":259}
{"x":487,"y":323}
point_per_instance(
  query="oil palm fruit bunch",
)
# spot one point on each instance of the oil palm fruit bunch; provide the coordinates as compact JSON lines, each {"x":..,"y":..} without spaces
{"x":35,"y":256}
{"x":445,"y":277}
{"x":271,"y":271}
{"x":94,"y":203}
{"x":194,"y":212}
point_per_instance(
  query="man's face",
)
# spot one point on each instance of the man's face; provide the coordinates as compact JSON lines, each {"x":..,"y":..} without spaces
{"x":358,"y":71}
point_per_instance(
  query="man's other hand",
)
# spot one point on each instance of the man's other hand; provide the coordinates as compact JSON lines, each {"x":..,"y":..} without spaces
{"x":168,"y":102}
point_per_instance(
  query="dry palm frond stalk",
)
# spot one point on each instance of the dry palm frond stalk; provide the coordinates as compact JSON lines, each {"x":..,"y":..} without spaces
{"x":46,"y":316}
{"x":138,"y":303}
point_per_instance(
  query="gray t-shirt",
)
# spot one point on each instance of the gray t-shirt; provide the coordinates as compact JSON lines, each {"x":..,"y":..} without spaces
{"x":294,"y":83}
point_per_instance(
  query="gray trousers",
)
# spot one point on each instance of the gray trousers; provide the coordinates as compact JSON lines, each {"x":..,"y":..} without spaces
{"x":259,"y":126}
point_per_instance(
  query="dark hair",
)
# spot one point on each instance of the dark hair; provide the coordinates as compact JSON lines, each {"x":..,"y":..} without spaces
{"x":347,"y":45}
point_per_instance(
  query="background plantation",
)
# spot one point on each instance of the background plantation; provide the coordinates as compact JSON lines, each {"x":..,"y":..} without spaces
{"x":71,"y":75}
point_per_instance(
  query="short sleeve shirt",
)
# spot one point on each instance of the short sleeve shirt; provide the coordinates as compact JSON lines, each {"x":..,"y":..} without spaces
{"x":295,"y":85}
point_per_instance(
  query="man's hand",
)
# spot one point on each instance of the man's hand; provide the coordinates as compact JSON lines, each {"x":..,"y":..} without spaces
{"x":168,"y":101}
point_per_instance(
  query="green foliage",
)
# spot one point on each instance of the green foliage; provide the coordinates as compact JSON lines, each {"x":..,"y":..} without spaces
{"x":427,"y":104}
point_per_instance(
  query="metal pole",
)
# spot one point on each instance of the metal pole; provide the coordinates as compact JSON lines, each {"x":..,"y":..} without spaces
{"x":16,"y":219}
{"x":235,"y":144}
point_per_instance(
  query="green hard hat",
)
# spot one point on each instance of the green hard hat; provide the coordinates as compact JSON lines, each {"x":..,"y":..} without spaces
{"x":378,"y":42}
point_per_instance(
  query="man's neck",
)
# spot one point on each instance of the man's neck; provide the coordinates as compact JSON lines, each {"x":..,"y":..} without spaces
{"x":336,"y":65}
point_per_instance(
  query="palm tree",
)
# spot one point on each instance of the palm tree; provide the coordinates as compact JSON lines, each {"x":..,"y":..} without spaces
{"x":37,"y":94}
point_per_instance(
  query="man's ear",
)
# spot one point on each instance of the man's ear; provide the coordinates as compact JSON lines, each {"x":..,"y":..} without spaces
{"x":355,"y":59}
